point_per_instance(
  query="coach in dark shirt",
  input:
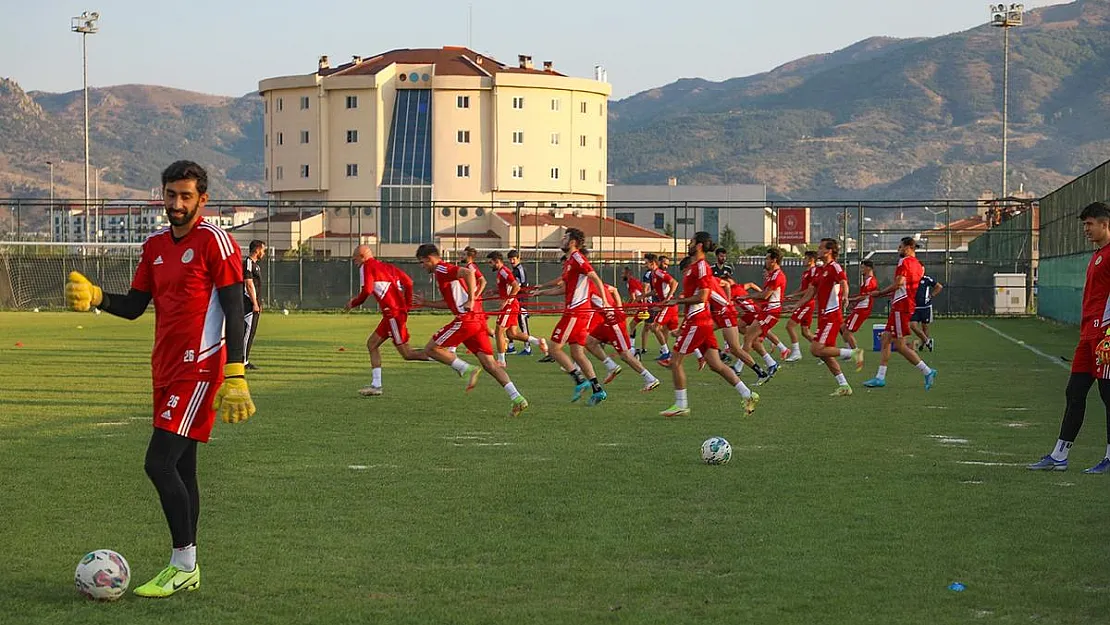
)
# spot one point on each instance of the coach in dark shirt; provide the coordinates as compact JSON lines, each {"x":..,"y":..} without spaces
{"x":722,"y":269}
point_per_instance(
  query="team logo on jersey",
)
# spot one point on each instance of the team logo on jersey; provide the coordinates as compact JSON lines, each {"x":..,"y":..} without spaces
{"x":157,"y":261}
{"x":1098,"y":260}
{"x":187,"y":256}
{"x":167,"y":416}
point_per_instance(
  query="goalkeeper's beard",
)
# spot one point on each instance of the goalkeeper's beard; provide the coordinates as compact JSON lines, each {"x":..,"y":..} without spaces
{"x":182,"y":221}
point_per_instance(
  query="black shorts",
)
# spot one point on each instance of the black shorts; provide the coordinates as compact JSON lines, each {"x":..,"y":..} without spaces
{"x":923,"y":315}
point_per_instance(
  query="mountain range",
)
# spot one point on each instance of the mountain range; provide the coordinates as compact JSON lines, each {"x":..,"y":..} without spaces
{"x":881,"y":119}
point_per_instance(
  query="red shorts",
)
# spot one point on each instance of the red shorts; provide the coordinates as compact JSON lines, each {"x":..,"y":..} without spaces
{"x":615,"y":334}
{"x":572,"y":328}
{"x":394,"y":327}
{"x":667,"y":318}
{"x":698,"y":335}
{"x":898,"y":323}
{"x":765,"y":319}
{"x":472,"y":333}
{"x":828,"y":327}
{"x":726,"y":318}
{"x":509,"y":316}
{"x":1084,"y":359}
{"x":855,"y":321}
{"x":803,"y":315}
{"x":185,"y":408}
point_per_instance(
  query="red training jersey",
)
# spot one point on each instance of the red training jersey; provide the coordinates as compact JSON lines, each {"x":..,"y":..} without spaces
{"x":775,"y":285}
{"x":808,"y":278}
{"x":660,"y":284}
{"x":505,"y":282}
{"x":385,"y":283}
{"x":477,"y":284}
{"x":182,"y":278}
{"x":635,"y":289}
{"x":576,"y":270}
{"x":828,"y":282}
{"x":905,"y":297}
{"x":870,"y":285}
{"x":698,"y":276}
{"x":1096,"y":296}
{"x":453,"y":289}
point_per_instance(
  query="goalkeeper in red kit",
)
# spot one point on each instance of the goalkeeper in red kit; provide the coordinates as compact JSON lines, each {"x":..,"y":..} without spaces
{"x":1092,"y":355}
{"x":193,"y":272}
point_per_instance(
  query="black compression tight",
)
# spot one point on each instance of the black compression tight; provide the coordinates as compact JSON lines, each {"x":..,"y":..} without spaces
{"x":1079,"y":384}
{"x":171,"y":463}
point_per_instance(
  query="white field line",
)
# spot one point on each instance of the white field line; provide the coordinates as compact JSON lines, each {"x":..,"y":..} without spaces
{"x":990,"y":464}
{"x":1036,"y":351}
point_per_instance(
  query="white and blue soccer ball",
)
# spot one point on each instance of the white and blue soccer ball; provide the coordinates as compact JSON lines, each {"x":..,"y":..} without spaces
{"x":102,"y":575}
{"x":716,"y":450}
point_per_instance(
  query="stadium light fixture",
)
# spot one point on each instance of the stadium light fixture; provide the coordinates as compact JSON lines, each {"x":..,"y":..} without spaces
{"x":1006,"y":17}
{"x":85,"y":25}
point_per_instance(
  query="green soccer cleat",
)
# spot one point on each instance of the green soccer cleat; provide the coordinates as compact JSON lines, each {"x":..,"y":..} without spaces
{"x":749,"y":404}
{"x":471,"y":374}
{"x":519,"y":405}
{"x":169,"y":582}
{"x":857,"y":356}
{"x":841,"y":391}
{"x":675,"y":411}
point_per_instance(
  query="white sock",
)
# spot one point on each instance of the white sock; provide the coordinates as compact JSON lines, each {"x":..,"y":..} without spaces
{"x":882,"y":372}
{"x":184,"y":558}
{"x":698,"y":354}
{"x":767,"y":358}
{"x":841,"y":380}
{"x":738,"y":368}
{"x":795,"y":349}
{"x":845,"y":353}
{"x":501,"y":358}
{"x":452,"y":349}
{"x":533,"y":340}
{"x":510,"y":388}
{"x":1108,"y":451}
{"x":782,"y":348}
{"x":743,"y":389}
{"x":680,"y":398}
{"x":376,"y":377}
{"x":609,"y":364}
{"x":663,"y":349}
{"x":1061,"y":450}
{"x":923,"y":368}
{"x":649,"y":378}
{"x":459,"y":365}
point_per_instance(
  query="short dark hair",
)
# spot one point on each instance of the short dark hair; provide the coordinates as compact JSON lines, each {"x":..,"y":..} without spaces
{"x":650,"y":257}
{"x":775,"y":253}
{"x":721,"y":250}
{"x":1096,"y":210}
{"x":513,"y":254}
{"x":662,"y":257}
{"x":186,"y":170}
{"x":685,"y":262}
{"x":470,"y":250}
{"x":833,"y":245}
{"x":909,"y":242}
{"x":427,"y":250}
{"x":811,"y":254}
{"x":255,"y":244}
{"x":576,"y":235}
{"x":705,"y":240}
{"x":868,"y":263}
{"x":495,"y":255}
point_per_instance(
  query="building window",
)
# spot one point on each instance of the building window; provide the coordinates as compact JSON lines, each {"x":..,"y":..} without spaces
{"x":281,"y":104}
{"x":462,"y":136}
{"x":279,"y":172}
{"x":658,"y":224}
{"x":518,"y":102}
{"x":266,"y":107}
{"x":267,"y":175}
{"x":555,"y":104}
{"x":582,"y":107}
{"x":518,"y":171}
{"x":582,"y":140}
{"x":304,"y":171}
{"x":281,"y":138}
{"x":304,"y":103}
{"x":599,"y":142}
{"x":685,"y":221}
{"x":462,"y":171}
{"x":554,"y":138}
{"x":352,"y":101}
{"x":582,"y":175}
{"x":629,"y":218}
{"x":352,"y":170}
{"x":352,"y":136}
{"x":462,"y":102}
{"x":601,"y":109}
{"x":599,"y":175}
{"x":304,"y":136}
{"x":265,"y":141}
{"x":518,"y":136}
{"x":554,"y":173}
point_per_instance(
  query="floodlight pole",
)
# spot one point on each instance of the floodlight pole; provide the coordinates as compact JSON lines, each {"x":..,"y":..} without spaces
{"x":1006,"y":18}
{"x":85,"y":24}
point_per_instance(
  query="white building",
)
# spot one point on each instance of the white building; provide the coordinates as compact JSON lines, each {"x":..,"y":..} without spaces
{"x":687,"y":209}
{"x":131,"y":222}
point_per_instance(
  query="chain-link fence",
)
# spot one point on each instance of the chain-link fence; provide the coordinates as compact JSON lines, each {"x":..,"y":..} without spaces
{"x":310,"y":243}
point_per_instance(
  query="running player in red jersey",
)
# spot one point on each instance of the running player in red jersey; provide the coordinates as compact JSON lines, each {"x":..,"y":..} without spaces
{"x":664,"y":288}
{"x":508,"y":317}
{"x":830,"y":288}
{"x":392,"y":289}
{"x":696,"y":332}
{"x":608,"y":328}
{"x":727,"y":320}
{"x":637,"y":294}
{"x":761,"y":322}
{"x":574,"y":326}
{"x":1091,"y":361}
{"x":903,"y":294}
{"x":459,"y":288}
{"x":193,"y":271}
{"x":861,"y":304}
{"x":803,"y":311}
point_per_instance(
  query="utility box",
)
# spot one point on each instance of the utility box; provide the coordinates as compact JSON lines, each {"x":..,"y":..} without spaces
{"x":1010,"y":294}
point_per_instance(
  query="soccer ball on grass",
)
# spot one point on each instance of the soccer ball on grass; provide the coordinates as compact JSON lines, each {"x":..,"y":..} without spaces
{"x":102,"y":575}
{"x":716,"y":450}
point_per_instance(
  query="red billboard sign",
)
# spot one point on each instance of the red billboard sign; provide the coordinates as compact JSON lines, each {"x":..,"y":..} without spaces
{"x":793,"y":226}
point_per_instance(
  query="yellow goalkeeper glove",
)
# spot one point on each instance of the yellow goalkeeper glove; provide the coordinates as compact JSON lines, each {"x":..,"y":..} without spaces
{"x":233,"y":400}
{"x":81,"y":295}
{"x":1102,"y":350}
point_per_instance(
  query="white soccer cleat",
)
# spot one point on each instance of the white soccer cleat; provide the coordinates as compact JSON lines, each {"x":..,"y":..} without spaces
{"x":370,"y":391}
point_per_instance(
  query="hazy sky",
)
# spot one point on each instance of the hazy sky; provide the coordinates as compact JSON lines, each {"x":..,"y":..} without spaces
{"x":226,"y":46}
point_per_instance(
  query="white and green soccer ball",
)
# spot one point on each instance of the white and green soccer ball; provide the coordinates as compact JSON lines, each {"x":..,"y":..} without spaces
{"x":716,"y":450}
{"x":102,"y":575}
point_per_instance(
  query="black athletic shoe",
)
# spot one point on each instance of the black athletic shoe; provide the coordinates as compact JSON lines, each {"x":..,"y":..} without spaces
{"x":250,"y":366}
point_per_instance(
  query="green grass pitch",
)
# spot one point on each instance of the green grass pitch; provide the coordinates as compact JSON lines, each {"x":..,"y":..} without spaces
{"x":428,"y":505}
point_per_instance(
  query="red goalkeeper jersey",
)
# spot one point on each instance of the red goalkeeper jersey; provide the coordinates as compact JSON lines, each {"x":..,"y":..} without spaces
{"x":1096,"y":296}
